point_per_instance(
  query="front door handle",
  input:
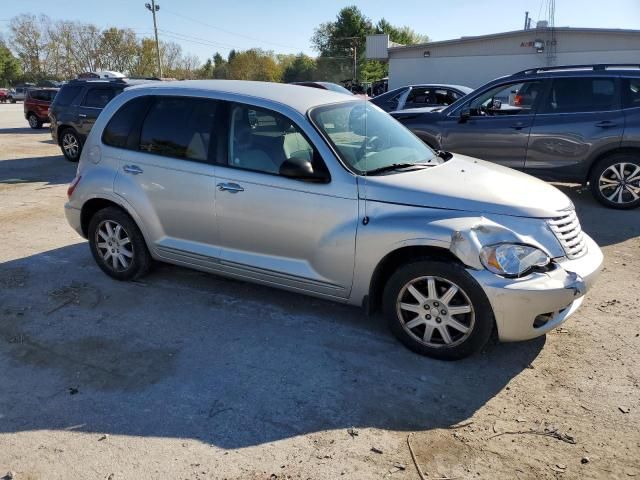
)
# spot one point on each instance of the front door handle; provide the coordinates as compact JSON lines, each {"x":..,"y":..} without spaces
{"x":606,"y":124}
{"x":132,"y":169}
{"x":519,"y":125}
{"x":230,"y":187}
{"x":82,"y":115}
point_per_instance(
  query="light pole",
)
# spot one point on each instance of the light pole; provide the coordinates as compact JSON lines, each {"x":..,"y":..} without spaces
{"x":153,"y":8}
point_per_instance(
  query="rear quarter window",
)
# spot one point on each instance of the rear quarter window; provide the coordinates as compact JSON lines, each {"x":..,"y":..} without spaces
{"x":631,"y":92}
{"x":122,"y":131}
{"x":67,"y":95}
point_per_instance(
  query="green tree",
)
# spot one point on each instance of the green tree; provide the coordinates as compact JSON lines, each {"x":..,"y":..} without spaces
{"x":207,"y":70}
{"x":9,"y":66}
{"x":218,"y":60}
{"x":402,"y":35}
{"x":254,"y":64}
{"x":301,"y":68}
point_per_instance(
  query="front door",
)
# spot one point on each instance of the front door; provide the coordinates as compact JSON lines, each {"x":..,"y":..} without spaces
{"x":167,"y":175}
{"x":494,"y":125}
{"x":280,"y":230}
{"x":579,"y":118}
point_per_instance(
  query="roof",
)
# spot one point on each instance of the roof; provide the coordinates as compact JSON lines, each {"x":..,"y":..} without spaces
{"x":513,"y":33}
{"x":462,"y":88}
{"x":300,"y":99}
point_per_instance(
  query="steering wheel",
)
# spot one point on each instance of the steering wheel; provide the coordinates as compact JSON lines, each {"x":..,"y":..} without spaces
{"x":367,"y":143}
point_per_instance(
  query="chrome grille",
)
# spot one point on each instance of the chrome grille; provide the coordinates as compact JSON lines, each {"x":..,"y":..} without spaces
{"x":568,"y":231}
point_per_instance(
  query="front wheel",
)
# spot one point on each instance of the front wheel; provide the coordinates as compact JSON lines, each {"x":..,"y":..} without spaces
{"x":437,"y":309}
{"x":117,"y":245}
{"x":615,"y":181}
{"x":71,"y":145}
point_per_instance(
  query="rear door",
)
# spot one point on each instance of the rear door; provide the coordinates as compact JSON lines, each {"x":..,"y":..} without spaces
{"x":579,"y":118}
{"x":280,"y":230}
{"x":167,"y":175}
{"x":95,"y":99}
{"x":496,"y":127}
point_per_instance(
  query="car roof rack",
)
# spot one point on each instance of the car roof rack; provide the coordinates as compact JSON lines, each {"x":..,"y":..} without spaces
{"x":98,"y":80}
{"x":594,"y":67}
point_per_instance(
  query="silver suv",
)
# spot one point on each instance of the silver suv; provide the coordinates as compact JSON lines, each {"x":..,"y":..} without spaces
{"x":320,"y":193}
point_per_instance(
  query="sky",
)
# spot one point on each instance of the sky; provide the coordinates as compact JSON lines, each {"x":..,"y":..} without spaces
{"x":203,"y":27}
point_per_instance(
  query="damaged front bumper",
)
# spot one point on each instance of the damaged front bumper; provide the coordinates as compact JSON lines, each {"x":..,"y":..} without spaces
{"x":528,"y":307}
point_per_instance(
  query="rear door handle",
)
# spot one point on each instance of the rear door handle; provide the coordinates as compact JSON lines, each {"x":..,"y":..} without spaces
{"x":519,"y":125}
{"x":132,"y":169}
{"x":82,"y":115}
{"x":230,"y":187}
{"x":606,"y":124}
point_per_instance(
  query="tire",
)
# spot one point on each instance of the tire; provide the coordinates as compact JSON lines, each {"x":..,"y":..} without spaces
{"x":12,"y":100}
{"x":615,"y":181}
{"x":34,"y":121}
{"x":445,"y":342}
{"x":71,"y":145}
{"x":132,"y":259}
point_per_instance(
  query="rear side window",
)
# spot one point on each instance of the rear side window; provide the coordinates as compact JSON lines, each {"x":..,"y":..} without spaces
{"x":631,"y":92}
{"x":179,"y":127}
{"x":67,"y":95}
{"x":573,"y":95}
{"x":98,"y":97}
{"x":121,"y":130}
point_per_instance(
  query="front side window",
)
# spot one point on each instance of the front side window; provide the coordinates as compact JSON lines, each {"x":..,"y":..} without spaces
{"x":67,"y":95}
{"x":631,"y":92}
{"x":179,"y":127}
{"x":573,"y":95}
{"x":511,"y":99}
{"x":368,"y":139}
{"x":262,"y":140}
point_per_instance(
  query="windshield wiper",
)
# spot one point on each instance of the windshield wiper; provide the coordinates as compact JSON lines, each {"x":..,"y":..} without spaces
{"x":395,"y":166}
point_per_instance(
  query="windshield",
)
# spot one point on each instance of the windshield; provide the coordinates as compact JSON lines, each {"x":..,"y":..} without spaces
{"x":367,"y":139}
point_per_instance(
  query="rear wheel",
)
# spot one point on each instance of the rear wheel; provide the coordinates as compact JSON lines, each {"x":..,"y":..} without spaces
{"x":34,"y":121}
{"x":71,"y":145}
{"x":437,"y":309}
{"x":615,"y":181}
{"x":117,"y":245}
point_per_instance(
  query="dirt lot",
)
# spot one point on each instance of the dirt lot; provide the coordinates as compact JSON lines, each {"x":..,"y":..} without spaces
{"x":188,"y":376}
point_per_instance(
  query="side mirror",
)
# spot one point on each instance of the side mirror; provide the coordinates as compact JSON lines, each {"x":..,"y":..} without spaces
{"x":465,"y":115}
{"x":302,"y":169}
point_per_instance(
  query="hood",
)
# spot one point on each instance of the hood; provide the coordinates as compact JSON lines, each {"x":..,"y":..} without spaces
{"x":469,"y":184}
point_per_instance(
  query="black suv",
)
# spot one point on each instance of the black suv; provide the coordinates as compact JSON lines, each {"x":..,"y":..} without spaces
{"x":577,"y":123}
{"x":76,"y":108}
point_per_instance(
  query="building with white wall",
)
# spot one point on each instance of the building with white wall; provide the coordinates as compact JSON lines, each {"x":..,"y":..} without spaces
{"x":473,"y":61}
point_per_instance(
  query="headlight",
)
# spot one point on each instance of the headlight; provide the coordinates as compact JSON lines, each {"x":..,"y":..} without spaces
{"x":511,"y":259}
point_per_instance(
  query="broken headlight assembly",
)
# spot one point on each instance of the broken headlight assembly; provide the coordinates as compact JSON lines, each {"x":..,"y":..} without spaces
{"x":513,"y":260}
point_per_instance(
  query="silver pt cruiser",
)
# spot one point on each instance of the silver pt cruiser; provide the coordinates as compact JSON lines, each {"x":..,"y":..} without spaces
{"x":318,"y":193}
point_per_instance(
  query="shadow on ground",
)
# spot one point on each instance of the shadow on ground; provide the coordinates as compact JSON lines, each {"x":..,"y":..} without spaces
{"x":190,"y":355}
{"x":53,"y":170}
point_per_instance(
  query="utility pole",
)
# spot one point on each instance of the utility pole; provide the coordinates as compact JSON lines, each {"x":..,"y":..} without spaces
{"x":153,"y":8}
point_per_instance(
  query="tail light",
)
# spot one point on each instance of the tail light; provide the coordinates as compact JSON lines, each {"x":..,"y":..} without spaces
{"x":73,"y":186}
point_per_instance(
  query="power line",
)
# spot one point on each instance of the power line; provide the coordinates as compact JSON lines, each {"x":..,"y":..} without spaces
{"x":228,"y":31}
{"x":198,"y":39}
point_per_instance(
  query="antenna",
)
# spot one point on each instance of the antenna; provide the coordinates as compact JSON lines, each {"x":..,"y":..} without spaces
{"x":365,"y":218}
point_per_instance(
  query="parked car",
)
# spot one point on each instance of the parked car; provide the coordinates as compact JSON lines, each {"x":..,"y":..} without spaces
{"x":318,"y":193}
{"x":36,"y":105}
{"x":4,"y":95}
{"x":427,"y":97}
{"x":573,"y":123}
{"x":76,"y":108}
{"x":19,"y":93}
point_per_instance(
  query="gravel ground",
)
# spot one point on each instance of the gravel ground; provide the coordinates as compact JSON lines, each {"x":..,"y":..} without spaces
{"x":185,"y":375}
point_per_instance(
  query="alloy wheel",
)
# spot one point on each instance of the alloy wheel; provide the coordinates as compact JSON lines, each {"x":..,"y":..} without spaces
{"x":70,"y":145}
{"x":620,"y":183}
{"x":435,"y":311}
{"x":114,"y":245}
{"x":33,"y":121}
